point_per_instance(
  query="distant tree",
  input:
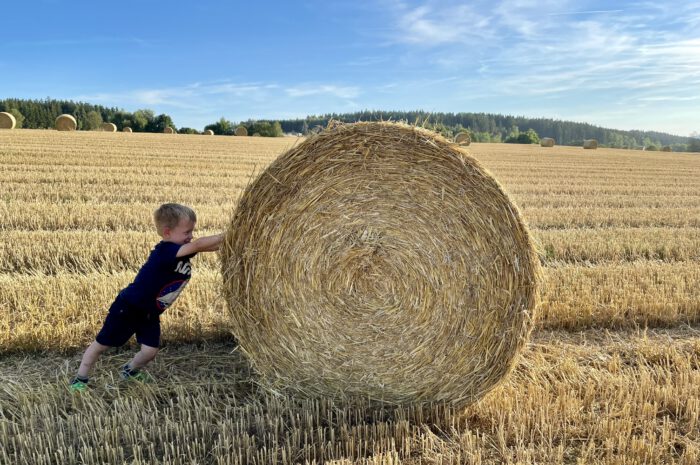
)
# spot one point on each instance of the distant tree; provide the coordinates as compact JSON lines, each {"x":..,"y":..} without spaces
{"x":223,"y":127}
{"x":92,"y":120}
{"x":512,"y":136}
{"x":652,"y":148}
{"x":187,"y":131}
{"x":693,"y":145}
{"x":264,"y":128}
{"x":527,"y":137}
{"x":19,"y":118}
{"x":159,"y":123}
{"x":141,"y":119}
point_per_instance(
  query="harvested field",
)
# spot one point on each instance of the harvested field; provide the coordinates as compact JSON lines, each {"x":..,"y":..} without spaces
{"x":610,"y":375}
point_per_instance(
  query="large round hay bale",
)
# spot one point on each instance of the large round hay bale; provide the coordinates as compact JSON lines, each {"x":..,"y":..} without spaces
{"x":590,"y":144}
{"x":208,"y":132}
{"x":168,"y":130}
{"x":7,"y":120}
{"x":241,"y":131}
{"x":109,"y":127}
{"x":546,"y":142}
{"x":378,"y":260}
{"x":66,"y":122}
{"x":127,"y":129}
{"x":463,"y":138}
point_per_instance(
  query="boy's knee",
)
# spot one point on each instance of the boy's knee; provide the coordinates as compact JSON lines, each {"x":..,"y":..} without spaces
{"x":149,"y":351}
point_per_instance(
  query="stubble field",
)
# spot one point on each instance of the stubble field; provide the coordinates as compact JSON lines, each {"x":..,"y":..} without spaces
{"x":611,"y":374}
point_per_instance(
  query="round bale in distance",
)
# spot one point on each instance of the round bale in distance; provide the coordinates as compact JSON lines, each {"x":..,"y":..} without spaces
{"x":590,"y":144}
{"x":208,"y":132}
{"x":380,"y":261}
{"x":547,"y":142}
{"x":463,"y":138}
{"x":241,"y":131}
{"x":168,"y":130}
{"x":7,"y":120}
{"x":109,"y":127}
{"x":127,"y":129}
{"x":66,"y":122}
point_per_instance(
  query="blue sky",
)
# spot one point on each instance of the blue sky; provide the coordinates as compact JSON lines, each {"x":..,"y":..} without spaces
{"x":626,"y":65}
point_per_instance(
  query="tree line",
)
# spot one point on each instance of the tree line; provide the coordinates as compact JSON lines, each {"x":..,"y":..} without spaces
{"x":42,"y":114}
{"x":482,"y":127}
{"x":489,"y":127}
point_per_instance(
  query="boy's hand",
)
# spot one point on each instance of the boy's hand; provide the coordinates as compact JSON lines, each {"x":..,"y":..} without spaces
{"x":203,"y":244}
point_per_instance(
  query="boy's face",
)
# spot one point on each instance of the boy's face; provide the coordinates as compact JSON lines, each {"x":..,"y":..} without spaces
{"x":180,"y":234}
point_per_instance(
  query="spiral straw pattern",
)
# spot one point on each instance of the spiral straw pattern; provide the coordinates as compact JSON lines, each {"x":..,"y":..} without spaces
{"x":379,"y":260}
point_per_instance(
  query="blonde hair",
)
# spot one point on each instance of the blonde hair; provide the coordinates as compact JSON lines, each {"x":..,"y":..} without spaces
{"x":169,"y":215}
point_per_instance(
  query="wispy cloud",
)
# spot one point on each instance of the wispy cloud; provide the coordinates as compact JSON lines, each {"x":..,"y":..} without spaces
{"x":204,"y":102}
{"x":80,"y":42}
{"x":346,"y":92}
{"x":431,"y":26}
{"x":588,"y":12}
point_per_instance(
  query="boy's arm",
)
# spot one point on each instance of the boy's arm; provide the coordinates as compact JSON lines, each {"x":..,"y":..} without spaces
{"x":203,"y":244}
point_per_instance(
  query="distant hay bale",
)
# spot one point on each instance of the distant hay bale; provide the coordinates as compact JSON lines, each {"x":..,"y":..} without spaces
{"x":109,"y":127}
{"x":546,"y":142}
{"x":256,"y":134}
{"x":208,"y":132}
{"x":168,"y":130}
{"x":379,"y":261}
{"x":463,"y":138}
{"x":66,"y":122}
{"x":127,"y":129}
{"x":241,"y":131}
{"x":7,"y":120}
{"x":590,"y":144}
{"x":666,"y":148}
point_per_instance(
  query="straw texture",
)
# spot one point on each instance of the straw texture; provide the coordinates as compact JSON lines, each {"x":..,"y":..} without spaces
{"x":109,"y":127}
{"x":590,"y":144}
{"x":66,"y":122}
{"x":241,"y":131}
{"x":546,"y":142}
{"x":378,"y":260}
{"x":208,"y":132}
{"x":463,"y":138}
{"x":127,"y":129}
{"x":168,"y":130}
{"x":7,"y":120}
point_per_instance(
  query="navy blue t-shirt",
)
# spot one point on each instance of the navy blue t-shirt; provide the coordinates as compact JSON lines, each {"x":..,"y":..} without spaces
{"x":160,"y":280}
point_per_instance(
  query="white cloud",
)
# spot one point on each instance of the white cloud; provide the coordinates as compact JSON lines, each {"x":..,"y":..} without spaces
{"x":430,"y":26}
{"x":345,"y":92}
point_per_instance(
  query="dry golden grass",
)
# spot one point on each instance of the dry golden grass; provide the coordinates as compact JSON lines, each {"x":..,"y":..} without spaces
{"x":619,"y":235}
{"x":592,"y":397}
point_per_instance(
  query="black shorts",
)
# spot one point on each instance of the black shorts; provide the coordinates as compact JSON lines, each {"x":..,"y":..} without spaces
{"x":123,"y":321}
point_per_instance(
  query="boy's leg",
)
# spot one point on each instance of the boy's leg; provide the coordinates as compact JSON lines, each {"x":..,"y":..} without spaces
{"x":90,"y":357}
{"x":143,"y":357}
{"x":132,"y":370}
{"x":148,"y":335}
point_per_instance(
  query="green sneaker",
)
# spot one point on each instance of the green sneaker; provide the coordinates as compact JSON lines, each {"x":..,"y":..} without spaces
{"x":136,"y":375}
{"x":78,"y":386}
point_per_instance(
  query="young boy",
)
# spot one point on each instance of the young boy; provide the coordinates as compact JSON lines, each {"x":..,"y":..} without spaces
{"x":137,"y":308}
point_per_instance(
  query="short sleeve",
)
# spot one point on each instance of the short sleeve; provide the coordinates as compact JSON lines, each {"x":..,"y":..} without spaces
{"x":167,"y":252}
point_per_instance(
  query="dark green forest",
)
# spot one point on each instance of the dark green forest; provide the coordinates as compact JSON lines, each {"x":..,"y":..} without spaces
{"x":41,"y":114}
{"x":483,"y":127}
{"x":486,"y":127}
